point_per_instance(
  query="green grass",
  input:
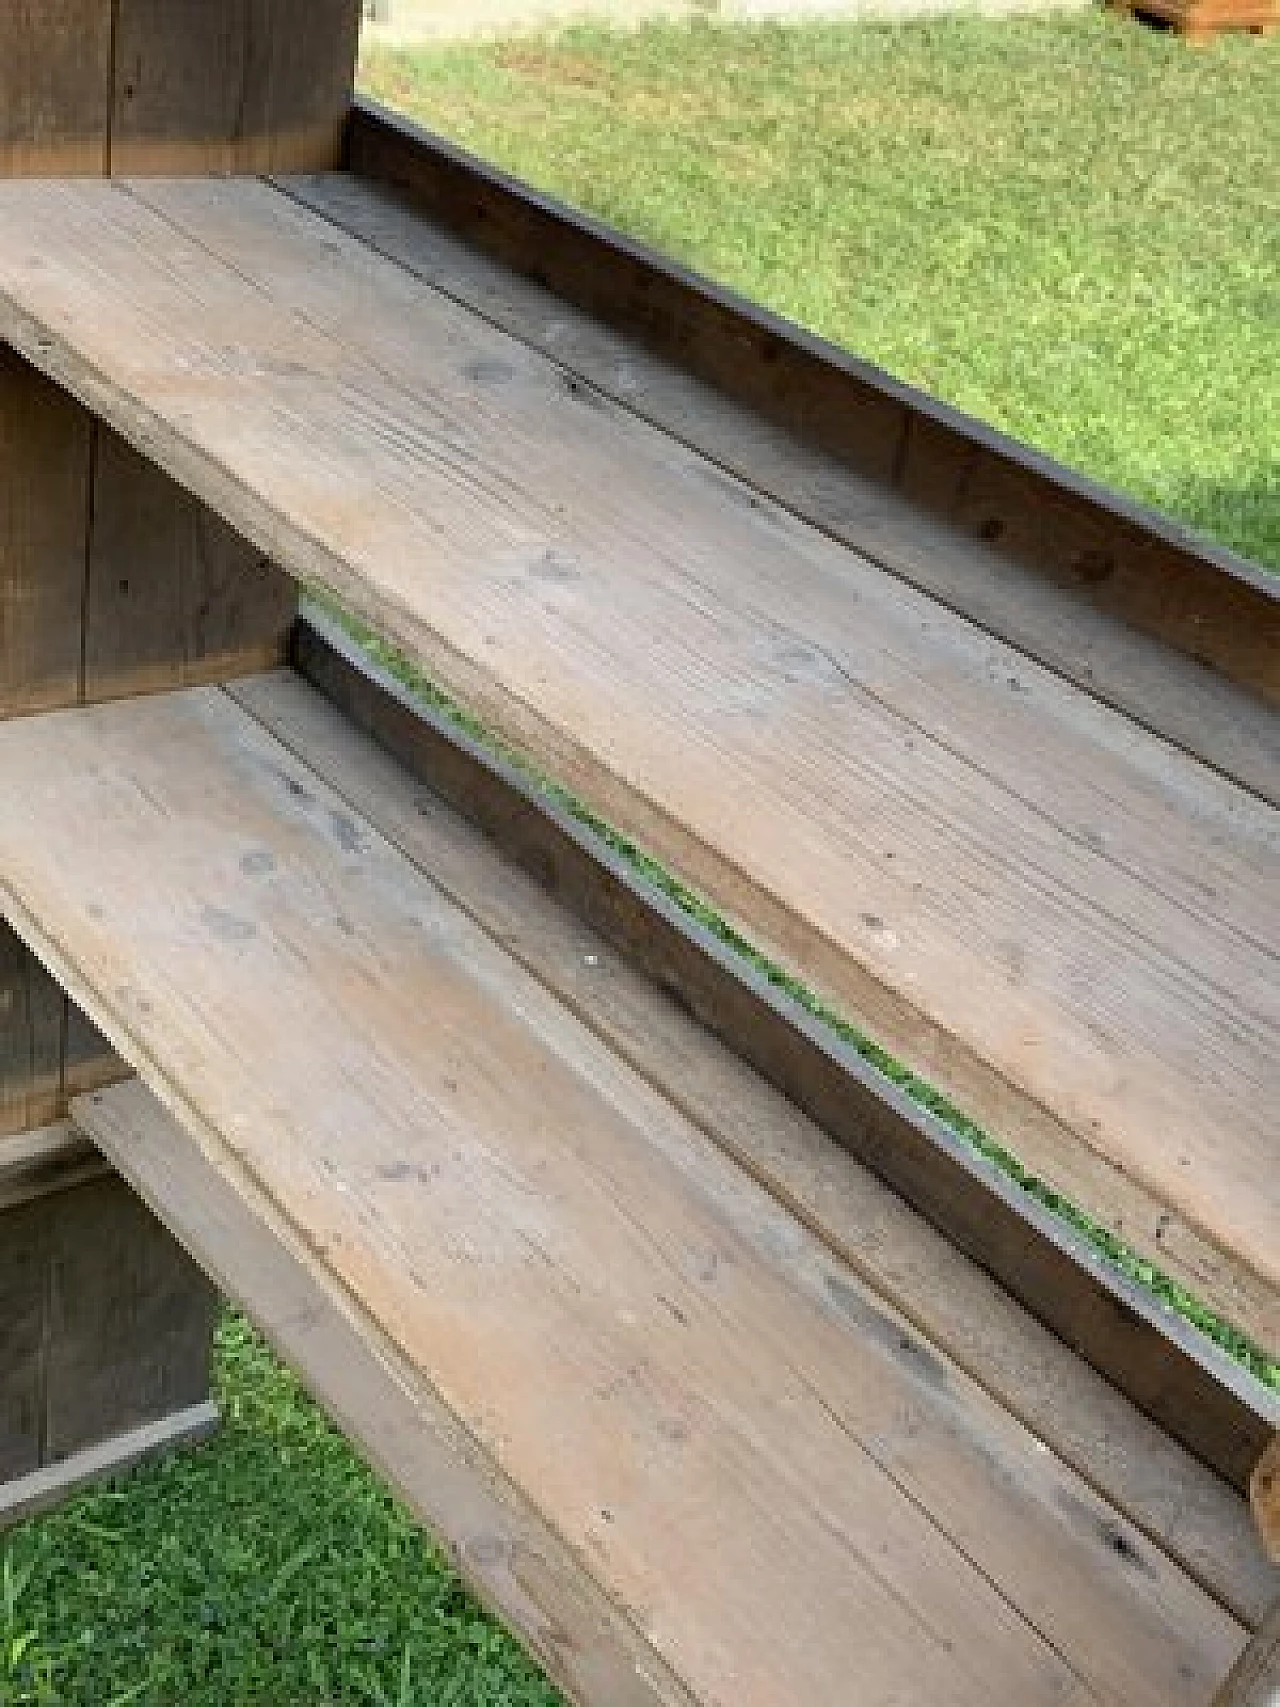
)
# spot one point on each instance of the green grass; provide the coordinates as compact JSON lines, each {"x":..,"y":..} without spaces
{"x":267,"y":1568}
{"x":1068,"y":227}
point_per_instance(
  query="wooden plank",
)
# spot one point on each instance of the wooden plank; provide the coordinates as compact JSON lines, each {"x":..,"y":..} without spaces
{"x":175,"y":598}
{"x":237,"y":86}
{"x":882,"y":796}
{"x":130,"y":1320}
{"x":646,"y":1344}
{"x":1168,"y":1494}
{"x":44,"y":1489}
{"x":55,"y":78}
{"x":1108,"y":653}
{"x":863,"y":417}
{"x":31,"y":1007}
{"x":22,"y":1275}
{"x":105,"y":1324}
{"x":45,"y":443}
{"x":1255,"y":1680}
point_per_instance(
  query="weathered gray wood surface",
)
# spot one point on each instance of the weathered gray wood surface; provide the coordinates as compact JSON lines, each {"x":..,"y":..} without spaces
{"x":638,"y":1342}
{"x":105,"y":1324}
{"x":896,"y":805}
{"x":755,"y":416}
{"x":90,"y":86}
{"x":1182,"y":1508}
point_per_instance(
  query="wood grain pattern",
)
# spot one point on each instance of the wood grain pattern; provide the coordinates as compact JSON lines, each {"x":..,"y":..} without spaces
{"x":1163,"y":1490}
{"x":175,"y":598}
{"x":236,"y":86}
{"x":616,"y":1316}
{"x":105,"y":1323}
{"x":1102,"y":644}
{"x":55,"y":77}
{"x":890,"y":801}
{"x":802,"y":389}
{"x":130,"y":1321}
{"x":22,"y":1271}
{"x":45,"y":440}
{"x":31,"y":1016}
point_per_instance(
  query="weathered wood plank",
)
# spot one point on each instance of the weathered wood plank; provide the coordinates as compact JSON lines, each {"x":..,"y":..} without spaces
{"x":614,"y":1312}
{"x":88,"y":1060}
{"x":55,"y":79}
{"x":1200,"y":709}
{"x":884,"y":433}
{"x":236,"y":86}
{"x":175,"y":598}
{"x":44,"y":1489}
{"x":105,"y":1322}
{"x":1166,"y":1492}
{"x":22,"y":1271}
{"x":31,"y":1018}
{"x":130,"y":1320}
{"x":45,"y":440}
{"x":884,"y":797}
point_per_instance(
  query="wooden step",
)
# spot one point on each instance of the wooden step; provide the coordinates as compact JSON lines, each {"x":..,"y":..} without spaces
{"x":1069,"y":925}
{"x":681,"y":1445}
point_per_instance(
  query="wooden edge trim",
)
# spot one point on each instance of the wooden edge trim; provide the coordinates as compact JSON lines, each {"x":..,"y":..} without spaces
{"x":42,"y":1490}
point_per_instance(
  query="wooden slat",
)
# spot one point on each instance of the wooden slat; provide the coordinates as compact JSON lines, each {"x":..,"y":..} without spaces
{"x":1185,"y":1510}
{"x":130,"y":1320}
{"x":806,"y":466}
{"x":175,"y":598}
{"x":105,"y":1322}
{"x":45,"y":442}
{"x":1064,"y":923}
{"x":44,"y":1489}
{"x":232,"y":85}
{"x":772,"y":1478}
{"x":31,"y":1017}
{"x":22,"y":1273}
{"x":55,"y":78}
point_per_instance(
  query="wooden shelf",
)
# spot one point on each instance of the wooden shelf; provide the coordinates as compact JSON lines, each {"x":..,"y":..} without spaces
{"x":1062,"y":920}
{"x":688,"y":1452}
